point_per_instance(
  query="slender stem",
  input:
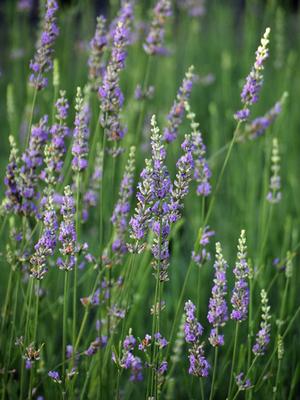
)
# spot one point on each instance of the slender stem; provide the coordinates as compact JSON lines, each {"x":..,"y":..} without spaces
{"x":202,"y":389}
{"x":65,"y":315}
{"x":76,"y":263}
{"x":214,"y":374}
{"x":233,"y":358}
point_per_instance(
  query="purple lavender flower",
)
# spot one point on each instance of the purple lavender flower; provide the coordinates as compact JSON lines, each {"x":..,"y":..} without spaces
{"x":81,"y":134}
{"x":163,"y":367}
{"x":218,"y":312}
{"x":129,"y":361}
{"x":175,"y":116}
{"x":194,"y":8}
{"x":32,"y":159}
{"x":54,"y":375}
{"x":145,"y":343}
{"x":42,"y":62}
{"x":160,"y":340}
{"x":12,"y":201}
{"x":98,"y":343}
{"x":202,"y":173}
{"x":185,"y":167}
{"x":240,"y":293}
{"x":140,"y":94}
{"x":274,"y":194}
{"x":24,"y":5}
{"x":242,"y":383}
{"x":201,"y":255}
{"x":193,"y":331}
{"x":46,"y":245}
{"x":55,"y":150}
{"x":152,"y":194}
{"x":192,"y":328}
{"x":125,"y":16}
{"x":69,"y":351}
{"x":110,"y":93}
{"x":121,"y":211}
{"x":263,"y":335}
{"x":155,"y":38}
{"x":97,"y":47}
{"x":254,"y":80}
{"x":67,"y":232}
{"x":259,"y":125}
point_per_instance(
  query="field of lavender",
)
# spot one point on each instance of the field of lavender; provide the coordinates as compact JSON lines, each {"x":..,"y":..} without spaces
{"x":150,"y":200}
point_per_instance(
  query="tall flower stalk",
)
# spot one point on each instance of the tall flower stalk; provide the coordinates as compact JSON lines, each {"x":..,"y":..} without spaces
{"x":42,"y":62}
{"x":240,"y":296}
{"x":254,"y":81}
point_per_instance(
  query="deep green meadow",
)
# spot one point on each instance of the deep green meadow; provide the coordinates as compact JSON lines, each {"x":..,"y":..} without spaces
{"x":40,"y":316}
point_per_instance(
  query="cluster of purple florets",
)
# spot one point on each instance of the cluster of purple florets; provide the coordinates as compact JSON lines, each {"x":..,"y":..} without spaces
{"x":42,"y":62}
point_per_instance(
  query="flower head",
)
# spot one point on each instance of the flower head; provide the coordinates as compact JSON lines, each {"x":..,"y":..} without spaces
{"x":81,"y":134}
{"x":175,"y":116}
{"x":263,"y":335}
{"x":218,"y":312}
{"x":67,"y":232}
{"x":254,"y":80}
{"x":154,"y":41}
{"x":274,"y":194}
{"x":42,"y":61}
{"x":97,"y":47}
{"x":240,"y":293}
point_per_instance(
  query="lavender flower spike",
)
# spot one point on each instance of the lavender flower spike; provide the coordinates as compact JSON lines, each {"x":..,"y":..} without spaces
{"x":55,"y":150}
{"x":193,"y":330}
{"x":67,"y":232}
{"x":110,"y":93}
{"x":240,"y":294}
{"x":81,"y":134}
{"x":120,"y":215}
{"x":46,"y":245}
{"x":154,"y":40}
{"x":202,"y":172}
{"x":97,"y":47}
{"x":175,"y":116}
{"x":185,"y":167}
{"x":42,"y":62}
{"x":218,"y":313}
{"x":274,"y":195}
{"x":259,"y":125}
{"x":12,"y":199}
{"x":254,"y":81}
{"x":263,"y":335}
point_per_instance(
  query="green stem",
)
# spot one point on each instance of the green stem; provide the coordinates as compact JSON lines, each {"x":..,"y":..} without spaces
{"x":214,"y":374}
{"x":65,"y":315}
{"x":233,"y":358}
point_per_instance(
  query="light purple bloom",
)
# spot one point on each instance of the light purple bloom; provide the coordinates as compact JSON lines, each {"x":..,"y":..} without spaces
{"x":42,"y":61}
{"x":54,"y":375}
{"x":263,"y":335}
{"x":254,"y":80}
{"x":122,"y":208}
{"x":97,"y":47}
{"x":154,"y":41}
{"x":46,"y":245}
{"x":67,"y":232}
{"x":240,"y":293}
{"x":176,"y":114}
{"x":218,"y":311}
{"x":81,"y":134}
{"x":274,"y":195}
